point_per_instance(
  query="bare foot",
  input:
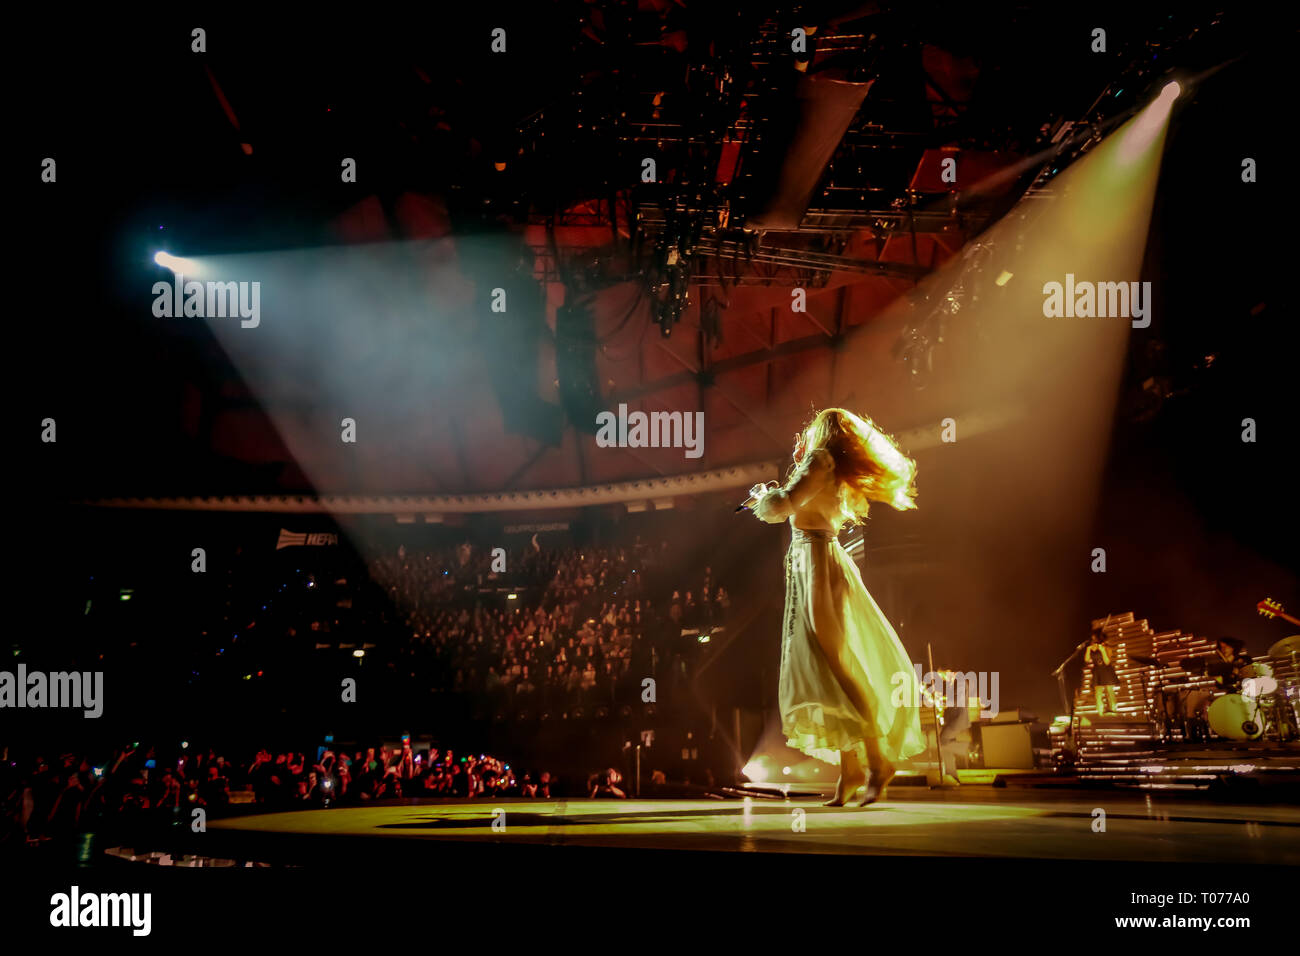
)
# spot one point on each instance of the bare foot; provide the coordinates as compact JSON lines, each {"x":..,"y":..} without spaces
{"x":844,"y":791}
{"x":877,"y":780}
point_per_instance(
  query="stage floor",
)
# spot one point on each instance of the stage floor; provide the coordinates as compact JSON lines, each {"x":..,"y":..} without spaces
{"x":972,"y":822}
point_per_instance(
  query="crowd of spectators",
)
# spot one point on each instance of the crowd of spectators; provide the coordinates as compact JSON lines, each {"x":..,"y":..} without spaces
{"x":44,"y":799}
{"x":565,"y":632}
{"x":581,"y":628}
{"x":558,"y":631}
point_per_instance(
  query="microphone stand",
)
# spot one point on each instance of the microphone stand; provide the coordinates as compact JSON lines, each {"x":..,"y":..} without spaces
{"x":1067,"y":703}
{"x":938,"y":742}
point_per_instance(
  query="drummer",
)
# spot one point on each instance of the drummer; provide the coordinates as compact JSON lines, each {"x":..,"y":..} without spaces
{"x":1228,"y":665}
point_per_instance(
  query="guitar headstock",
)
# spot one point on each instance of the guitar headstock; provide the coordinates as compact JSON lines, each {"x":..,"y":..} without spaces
{"x":1269,"y":608}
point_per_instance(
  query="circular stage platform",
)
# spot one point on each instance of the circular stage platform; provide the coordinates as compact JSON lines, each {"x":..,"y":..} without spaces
{"x":973,"y":822}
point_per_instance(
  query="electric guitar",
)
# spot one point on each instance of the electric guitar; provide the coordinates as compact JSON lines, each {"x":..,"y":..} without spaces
{"x":1270,"y":608}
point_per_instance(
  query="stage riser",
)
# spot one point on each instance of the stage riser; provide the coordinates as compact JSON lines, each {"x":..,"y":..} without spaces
{"x":1118,"y":747}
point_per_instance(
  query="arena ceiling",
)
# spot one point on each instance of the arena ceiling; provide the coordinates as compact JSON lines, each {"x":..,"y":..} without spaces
{"x":775,"y":170}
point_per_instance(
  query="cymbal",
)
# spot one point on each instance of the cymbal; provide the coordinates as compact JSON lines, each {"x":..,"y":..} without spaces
{"x":1285,"y":647}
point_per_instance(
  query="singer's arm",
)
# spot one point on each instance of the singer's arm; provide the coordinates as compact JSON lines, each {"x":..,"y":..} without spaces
{"x":808,"y":479}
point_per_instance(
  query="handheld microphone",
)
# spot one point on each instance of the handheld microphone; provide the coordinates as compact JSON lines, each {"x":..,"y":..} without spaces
{"x":753,"y":499}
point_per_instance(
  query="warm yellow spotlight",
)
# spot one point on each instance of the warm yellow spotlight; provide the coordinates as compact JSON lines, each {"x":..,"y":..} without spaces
{"x":1003,"y":278}
{"x":1146,"y":129}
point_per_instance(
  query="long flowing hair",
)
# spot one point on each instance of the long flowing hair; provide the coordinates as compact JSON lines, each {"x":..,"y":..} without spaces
{"x":868,"y":463}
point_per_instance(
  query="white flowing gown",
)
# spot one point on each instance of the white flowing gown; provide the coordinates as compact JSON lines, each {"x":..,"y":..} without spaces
{"x":845,"y":676}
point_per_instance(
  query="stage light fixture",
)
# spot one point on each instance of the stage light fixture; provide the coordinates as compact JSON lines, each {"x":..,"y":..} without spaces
{"x":1146,"y":130}
{"x":175,"y":263}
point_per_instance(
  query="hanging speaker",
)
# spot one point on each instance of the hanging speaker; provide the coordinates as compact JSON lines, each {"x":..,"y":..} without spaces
{"x":575,"y":366}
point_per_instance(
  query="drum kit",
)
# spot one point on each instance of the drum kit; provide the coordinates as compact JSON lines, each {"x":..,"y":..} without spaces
{"x":1264,"y":702}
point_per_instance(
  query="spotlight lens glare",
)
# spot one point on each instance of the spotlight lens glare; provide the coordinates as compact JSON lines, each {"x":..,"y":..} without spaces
{"x":175,"y":263}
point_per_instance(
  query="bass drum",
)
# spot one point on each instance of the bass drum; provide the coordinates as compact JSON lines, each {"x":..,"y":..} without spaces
{"x":1235,"y":718}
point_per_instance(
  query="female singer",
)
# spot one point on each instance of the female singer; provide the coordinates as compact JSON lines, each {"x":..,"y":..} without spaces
{"x":847,"y":688}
